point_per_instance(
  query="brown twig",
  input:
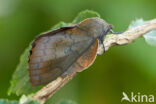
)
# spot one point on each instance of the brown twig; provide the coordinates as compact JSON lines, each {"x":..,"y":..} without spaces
{"x":125,"y":38}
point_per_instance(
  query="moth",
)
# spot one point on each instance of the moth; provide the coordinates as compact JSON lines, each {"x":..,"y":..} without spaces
{"x":66,"y":50}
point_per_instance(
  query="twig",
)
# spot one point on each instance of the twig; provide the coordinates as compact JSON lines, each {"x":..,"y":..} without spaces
{"x":125,"y":38}
{"x":50,"y":89}
{"x":128,"y":36}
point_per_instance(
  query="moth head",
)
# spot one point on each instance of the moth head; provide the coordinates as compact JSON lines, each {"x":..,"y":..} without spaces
{"x":96,"y":27}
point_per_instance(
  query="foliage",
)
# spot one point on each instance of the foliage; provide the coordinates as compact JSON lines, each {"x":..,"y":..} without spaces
{"x":85,"y":14}
{"x":28,"y":100}
{"x":2,"y":101}
{"x":23,"y":100}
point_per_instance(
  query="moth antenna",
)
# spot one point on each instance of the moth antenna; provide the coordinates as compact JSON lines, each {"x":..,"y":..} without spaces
{"x":111,"y":31}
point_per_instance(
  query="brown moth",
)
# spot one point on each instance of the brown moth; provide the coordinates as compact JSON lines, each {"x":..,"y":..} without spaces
{"x":66,"y":50}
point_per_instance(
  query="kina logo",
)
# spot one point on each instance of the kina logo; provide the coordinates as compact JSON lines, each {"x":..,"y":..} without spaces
{"x":137,"y":98}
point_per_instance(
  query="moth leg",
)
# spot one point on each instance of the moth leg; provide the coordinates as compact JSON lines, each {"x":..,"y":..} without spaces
{"x":103,"y":48}
{"x":101,"y":40}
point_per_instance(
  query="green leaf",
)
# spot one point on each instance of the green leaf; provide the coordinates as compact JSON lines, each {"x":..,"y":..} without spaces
{"x":136,"y":23}
{"x":23,"y":100}
{"x":27,"y":100}
{"x":84,"y":15}
{"x":2,"y":101}
{"x":150,"y":37}
{"x":20,"y":80}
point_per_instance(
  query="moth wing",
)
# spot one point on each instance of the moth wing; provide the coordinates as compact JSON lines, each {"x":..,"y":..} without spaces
{"x":53,"y":53}
{"x":85,"y":60}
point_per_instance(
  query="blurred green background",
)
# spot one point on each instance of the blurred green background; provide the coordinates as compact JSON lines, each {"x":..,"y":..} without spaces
{"x":129,"y":68}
